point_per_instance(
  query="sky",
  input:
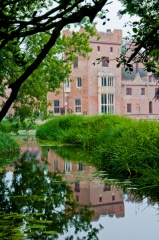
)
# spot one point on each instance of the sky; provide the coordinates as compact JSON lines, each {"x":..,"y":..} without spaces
{"x":115,"y":22}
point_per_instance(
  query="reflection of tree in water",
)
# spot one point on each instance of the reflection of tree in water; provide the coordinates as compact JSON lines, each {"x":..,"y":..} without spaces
{"x":37,"y":204}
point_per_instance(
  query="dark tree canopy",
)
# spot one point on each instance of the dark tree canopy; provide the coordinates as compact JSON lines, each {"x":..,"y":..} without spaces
{"x":36,"y":24}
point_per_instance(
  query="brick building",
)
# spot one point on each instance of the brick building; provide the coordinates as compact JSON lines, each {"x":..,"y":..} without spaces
{"x":103,"y":88}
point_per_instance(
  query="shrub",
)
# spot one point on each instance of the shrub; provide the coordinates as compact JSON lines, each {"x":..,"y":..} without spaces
{"x":7,"y":144}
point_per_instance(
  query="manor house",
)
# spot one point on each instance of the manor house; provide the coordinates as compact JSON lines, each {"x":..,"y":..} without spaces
{"x":97,"y":87}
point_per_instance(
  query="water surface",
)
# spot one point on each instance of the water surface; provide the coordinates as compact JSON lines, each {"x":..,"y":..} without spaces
{"x":44,"y":193}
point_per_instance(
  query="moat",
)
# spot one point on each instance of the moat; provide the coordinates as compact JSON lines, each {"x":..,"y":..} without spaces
{"x":44,"y":194}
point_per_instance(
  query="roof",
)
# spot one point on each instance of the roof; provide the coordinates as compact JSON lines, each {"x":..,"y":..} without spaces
{"x":127,"y":75}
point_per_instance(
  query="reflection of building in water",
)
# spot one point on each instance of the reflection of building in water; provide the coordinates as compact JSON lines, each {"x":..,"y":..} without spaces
{"x":87,"y":189}
{"x":133,"y":198}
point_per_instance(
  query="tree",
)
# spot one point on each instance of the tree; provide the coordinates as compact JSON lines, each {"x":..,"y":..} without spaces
{"x":44,"y":212}
{"x":22,"y":24}
{"x":144,"y":40}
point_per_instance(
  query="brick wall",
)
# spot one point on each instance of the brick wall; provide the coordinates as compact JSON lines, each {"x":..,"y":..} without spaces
{"x":109,"y":45}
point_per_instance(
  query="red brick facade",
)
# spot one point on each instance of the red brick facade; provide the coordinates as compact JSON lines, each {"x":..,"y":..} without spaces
{"x":96,"y":88}
{"x":104,"y":88}
{"x":88,"y":89}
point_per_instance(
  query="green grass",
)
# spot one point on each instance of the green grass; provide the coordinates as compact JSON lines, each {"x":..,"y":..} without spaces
{"x":79,"y":130}
{"x":121,"y":147}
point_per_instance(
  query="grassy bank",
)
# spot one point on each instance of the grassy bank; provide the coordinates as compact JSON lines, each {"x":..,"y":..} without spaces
{"x":122,"y":147}
{"x":79,"y":130}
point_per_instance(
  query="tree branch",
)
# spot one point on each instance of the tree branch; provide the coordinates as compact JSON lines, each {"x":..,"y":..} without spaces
{"x":90,"y":12}
{"x":142,"y":43}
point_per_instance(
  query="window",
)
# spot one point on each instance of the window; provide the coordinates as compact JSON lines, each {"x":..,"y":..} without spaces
{"x":107,"y":103}
{"x":56,"y":106}
{"x":79,"y":82}
{"x":142,"y":91}
{"x":104,"y":81}
{"x":113,"y":197}
{"x":78,"y":105}
{"x":111,"y":49}
{"x":128,"y":91}
{"x":67,"y":166}
{"x":76,"y":63}
{"x":80,"y":167}
{"x":77,"y":198}
{"x":150,"y":107}
{"x":105,"y":62}
{"x":67,"y":83}
{"x":98,"y":48}
{"x":107,"y":81}
{"x":100,"y":198}
{"x":129,"y":108}
{"x":110,"y":81}
{"x":77,"y":186}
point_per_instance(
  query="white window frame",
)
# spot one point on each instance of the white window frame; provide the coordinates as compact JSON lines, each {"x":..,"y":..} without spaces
{"x":107,"y":103}
{"x":107,"y":81}
{"x":78,"y":105}
{"x":68,"y":166}
{"x":56,"y":107}
{"x":67,"y":83}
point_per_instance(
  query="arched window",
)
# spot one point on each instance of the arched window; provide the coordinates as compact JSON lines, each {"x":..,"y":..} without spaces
{"x":150,"y":107}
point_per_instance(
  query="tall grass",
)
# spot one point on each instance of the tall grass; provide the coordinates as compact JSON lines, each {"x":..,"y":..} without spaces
{"x":121,"y":147}
{"x":79,"y":130}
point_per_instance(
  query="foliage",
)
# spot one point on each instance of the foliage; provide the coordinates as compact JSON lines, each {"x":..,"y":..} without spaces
{"x":7,"y":144}
{"x":5,"y":127}
{"x":31,"y":46}
{"x":40,"y":204}
{"x":71,"y":153}
{"x":144,"y":47}
{"x":75,"y":129}
{"x":18,"y":121}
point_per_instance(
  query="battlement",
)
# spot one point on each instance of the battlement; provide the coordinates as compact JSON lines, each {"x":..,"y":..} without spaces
{"x":108,"y":36}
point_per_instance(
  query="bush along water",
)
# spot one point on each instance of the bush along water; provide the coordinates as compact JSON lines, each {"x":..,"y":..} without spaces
{"x":79,"y":130}
{"x":7,"y":144}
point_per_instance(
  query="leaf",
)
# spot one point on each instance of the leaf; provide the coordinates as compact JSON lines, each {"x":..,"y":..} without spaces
{"x":135,"y":30}
{"x":50,"y":232}
{"x":36,"y":226}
